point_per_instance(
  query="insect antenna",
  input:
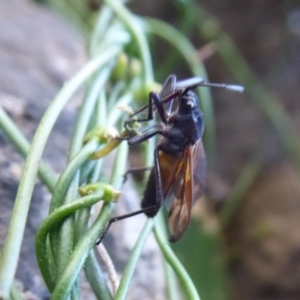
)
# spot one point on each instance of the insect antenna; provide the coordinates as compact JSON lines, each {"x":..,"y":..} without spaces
{"x":231,"y":87}
{"x":194,"y":82}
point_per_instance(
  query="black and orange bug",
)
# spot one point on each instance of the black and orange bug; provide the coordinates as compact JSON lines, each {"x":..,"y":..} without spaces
{"x":178,"y":175}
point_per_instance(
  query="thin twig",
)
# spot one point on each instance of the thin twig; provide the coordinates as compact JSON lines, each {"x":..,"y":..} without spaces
{"x":110,"y":268}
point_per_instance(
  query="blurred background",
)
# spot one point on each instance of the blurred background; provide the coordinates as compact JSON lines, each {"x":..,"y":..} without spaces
{"x":244,"y":240}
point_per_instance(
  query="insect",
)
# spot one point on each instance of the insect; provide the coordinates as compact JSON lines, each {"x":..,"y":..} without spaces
{"x":178,"y":175}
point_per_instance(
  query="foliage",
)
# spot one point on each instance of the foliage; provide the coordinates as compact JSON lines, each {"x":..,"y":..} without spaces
{"x":61,"y":247}
{"x":120,"y":70}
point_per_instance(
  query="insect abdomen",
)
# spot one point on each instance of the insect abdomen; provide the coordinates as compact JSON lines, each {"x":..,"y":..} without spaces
{"x":149,"y":198}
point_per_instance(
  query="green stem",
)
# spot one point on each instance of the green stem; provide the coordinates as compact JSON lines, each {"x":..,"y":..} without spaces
{"x":61,"y":251}
{"x":239,"y":191}
{"x":109,"y":147}
{"x":95,"y":277}
{"x":15,"y":294}
{"x":79,"y":256}
{"x":66,"y":235}
{"x":135,"y":29}
{"x":119,"y":166}
{"x":101,"y":110}
{"x":100,"y":29}
{"x":55,"y":218}
{"x":95,"y":176}
{"x":92,"y":269}
{"x":85,"y":170}
{"x":86,"y":110}
{"x":134,"y":256}
{"x":81,"y":251}
{"x":11,"y":250}
{"x":66,"y":176}
{"x":171,"y":283}
{"x":183,"y":276}
{"x":20,"y":142}
{"x":116,"y":93}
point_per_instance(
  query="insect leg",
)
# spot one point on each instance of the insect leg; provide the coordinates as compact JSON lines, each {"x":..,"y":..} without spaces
{"x":112,"y":220}
{"x":150,"y":112}
{"x":143,"y":137}
{"x":159,"y":195}
{"x":154,"y":98}
{"x":150,"y":210}
{"x":167,"y":89}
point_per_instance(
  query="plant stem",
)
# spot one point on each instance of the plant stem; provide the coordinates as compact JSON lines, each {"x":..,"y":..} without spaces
{"x":20,"y":142}
{"x":183,"y":276}
{"x":81,"y":251}
{"x":66,"y":176}
{"x":238,"y":192}
{"x":66,"y":234}
{"x":135,"y":29}
{"x":79,"y":256}
{"x":172,"y":286}
{"x":15,"y":294}
{"x":134,"y":256}
{"x":96,"y":278}
{"x":56,"y":217}
{"x":11,"y":250}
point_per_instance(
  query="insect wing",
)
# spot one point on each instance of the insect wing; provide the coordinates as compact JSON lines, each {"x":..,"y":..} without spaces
{"x":170,"y":168}
{"x":167,"y":89}
{"x":181,"y":198}
{"x":199,"y":170}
